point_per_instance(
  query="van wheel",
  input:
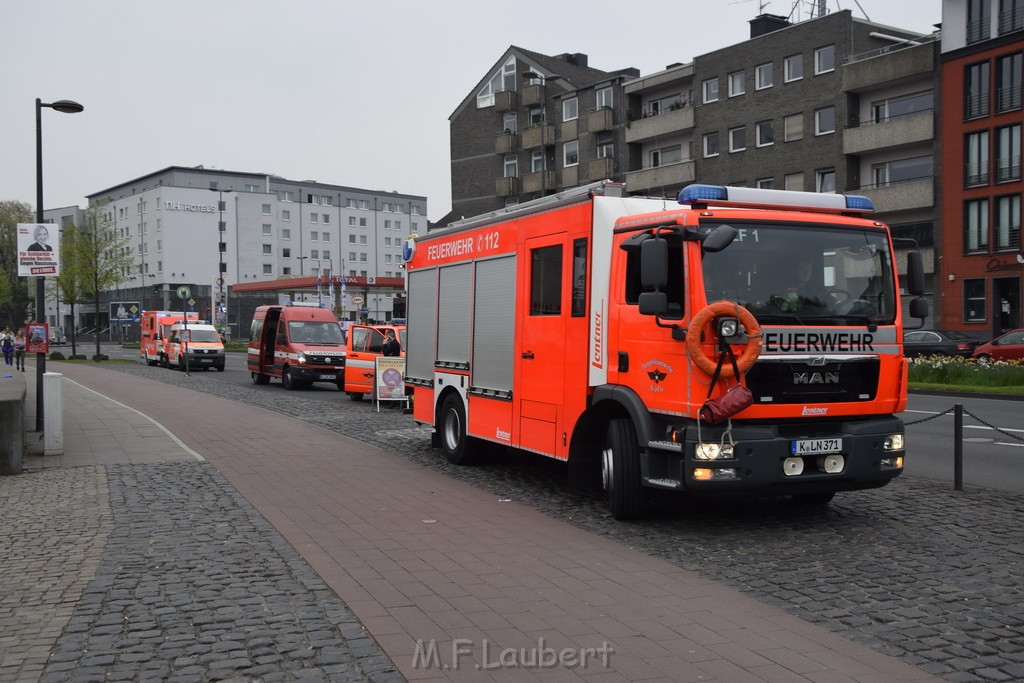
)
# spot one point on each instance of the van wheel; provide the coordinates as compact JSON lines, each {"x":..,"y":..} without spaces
{"x":620,"y":470}
{"x":220,"y":368}
{"x":151,"y":363}
{"x":163,"y":361}
{"x":260,"y":378}
{"x":452,"y":428}
{"x":288,"y":380}
{"x":356,"y":395}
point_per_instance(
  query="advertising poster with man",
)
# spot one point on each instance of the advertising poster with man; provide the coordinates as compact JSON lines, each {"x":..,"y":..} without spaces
{"x":38,"y":250}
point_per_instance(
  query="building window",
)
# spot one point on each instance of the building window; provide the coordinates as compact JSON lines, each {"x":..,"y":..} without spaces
{"x":824,"y":121}
{"x":511,"y":166}
{"x":268,"y":249}
{"x":286,"y":234}
{"x":793,"y":68}
{"x":326,"y":218}
{"x":1008,"y":153}
{"x":325,"y":255}
{"x":570,"y":109}
{"x":536,"y":116}
{"x":605,"y":150}
{"x":314,"y":236}
{"x":286,"y":215}
{"x":764,"y":76}
{"x":387,"y":225}
{"x":268,"y":269}
{"x":362,"y":222}
{"x":267,"y":229}
{"x":974,"y":300}
{"x":510,"y":122}
{"x":571,"y":153}
{"x":737,"y":139}
{"x":890,"y":108}
{"x":765,"y":183}
{"x":1008,"y":82}
{"x":604,"y":98}
{"x":978,"y":20}
{"x":351,"y":239}
{"x":666,"y":156}
{"x":1011,"y":16}
{"x":711,"y":144}
{"x":976,"y":90}
{"x":976,"y":226}
{"x":266,"y":209}
{"x":286,"y":252}
{"x":283,"y":195}
{"x":765,"y":133}
{"x":503,"y":79}
{"x":314,"y":218}
{"x":710,"y":87}
{"x":795,"y":181}
{"x":362,"y":257}
{"x":159,"y":245}
{"x":976,"y":158}
{"x":824,"y":59}
{"x":314,"y":254}
{"x":793,"y":127}
{"x":737,"y":83}
{"x":362,"y":239}
{"x":537,"y":161}
{"x":825,"y":180}
{"x":1007,"y":223}
{"x":352,"y":221}
{"x":902,"y":170}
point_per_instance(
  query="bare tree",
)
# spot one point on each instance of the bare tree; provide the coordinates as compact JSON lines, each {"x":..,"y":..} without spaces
{"x":100,"y":258}
{"x":14,"y":290}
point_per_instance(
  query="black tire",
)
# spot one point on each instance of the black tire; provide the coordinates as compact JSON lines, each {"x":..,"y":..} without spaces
{"x":260,"y":379}
{"x":356,"y":395}
{"x":288,"y":380}
{"x":814,"y":499}
{"x":163,"y":361}
{"x":220,"y":368}
{"x":620,"y":470}
{"x":451,"y":426}
{"x":151,"y":363}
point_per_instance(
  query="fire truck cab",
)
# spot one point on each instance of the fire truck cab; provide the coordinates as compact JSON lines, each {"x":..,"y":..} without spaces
{"x":155,"y":329}
{"x":593,"y":327}
{"x":300,"y":343}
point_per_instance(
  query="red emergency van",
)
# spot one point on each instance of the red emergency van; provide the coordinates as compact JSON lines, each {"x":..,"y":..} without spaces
{"x":300,"y":343}
{"x":361,"y":350}
{"x":156,"y":328}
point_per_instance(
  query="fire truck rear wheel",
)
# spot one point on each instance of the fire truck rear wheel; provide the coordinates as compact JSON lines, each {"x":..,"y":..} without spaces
{"x":620,"y":470}
{"x":288,"y":380}
{"x":151,"y":363}
{"x":260,"y":378}
{"x":451,"y":426}
{"x":356,"y":395}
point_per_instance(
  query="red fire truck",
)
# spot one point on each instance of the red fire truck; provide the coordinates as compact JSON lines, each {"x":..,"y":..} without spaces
{"x":592,"y":327}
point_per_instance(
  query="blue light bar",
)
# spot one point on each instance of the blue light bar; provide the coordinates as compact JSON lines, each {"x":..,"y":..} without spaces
{"x":769,"y":199}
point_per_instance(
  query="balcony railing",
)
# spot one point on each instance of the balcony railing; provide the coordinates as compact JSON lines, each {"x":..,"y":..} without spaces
{"x":977,"y":31}
{"x":505,"y":143}
{"x":975,"y":174}
{"x":1008,"y":98}
{"x":1008,"y":169}
{"x":539,"y":135}
{"x":1012,"y":20}
{"x":976,"y":106}
{"x":506,"y":187}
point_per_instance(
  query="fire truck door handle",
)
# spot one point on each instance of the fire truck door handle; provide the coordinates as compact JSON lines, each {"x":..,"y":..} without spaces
{"x":528,"y":355}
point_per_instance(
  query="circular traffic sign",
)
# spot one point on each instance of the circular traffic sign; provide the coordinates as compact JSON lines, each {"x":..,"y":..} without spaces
{"x":220,"y":281}
{"x":184,"y":292}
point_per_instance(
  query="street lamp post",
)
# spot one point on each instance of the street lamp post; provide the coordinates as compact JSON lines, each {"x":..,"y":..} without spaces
{"x":64,"y":107}
{"x":222,"y":247}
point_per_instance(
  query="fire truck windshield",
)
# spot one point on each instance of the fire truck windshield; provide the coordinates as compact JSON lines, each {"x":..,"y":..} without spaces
{"x":303,"y":332}
{"x":796,"y":274}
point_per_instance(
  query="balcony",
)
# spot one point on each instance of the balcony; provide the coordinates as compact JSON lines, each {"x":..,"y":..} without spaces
{"x":571,"y":176}
{"x":570,"y":129}
{"x":601,"y":169}
{"x":505,"y":143}
{"x":538,"y":136}
{"x":506,"y":187}
{"x":666,"y":123}
{"x":600,"y":120}
{"x":661,"y":178}
{"x":541,"y":181}
{"x":913,"y":194}
{"x":890,"y":64}
{"x":532,"y":94}
{"x":505,"y":100}
{"x":891,"y":133}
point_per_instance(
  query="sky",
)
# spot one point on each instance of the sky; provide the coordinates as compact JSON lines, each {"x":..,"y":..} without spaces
{"x":336,"y":91}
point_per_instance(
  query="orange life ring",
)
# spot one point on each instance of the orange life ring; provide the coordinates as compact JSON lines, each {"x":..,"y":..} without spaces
{"x":715,"y":310}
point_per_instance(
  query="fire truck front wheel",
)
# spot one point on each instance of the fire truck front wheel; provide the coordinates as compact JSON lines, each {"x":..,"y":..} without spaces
{"x":620,"y":470}
{"x":288,"y":379}
{"x":451,"y":425}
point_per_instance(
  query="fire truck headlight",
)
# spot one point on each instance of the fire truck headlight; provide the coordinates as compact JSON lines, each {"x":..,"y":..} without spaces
{"x":301,"y":357}
{"x":728,"y":327}
{"x":893,"y":442}
{"x":713,"y":451}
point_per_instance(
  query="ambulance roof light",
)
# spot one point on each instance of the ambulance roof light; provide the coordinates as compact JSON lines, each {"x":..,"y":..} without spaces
{"x":748,"y":196}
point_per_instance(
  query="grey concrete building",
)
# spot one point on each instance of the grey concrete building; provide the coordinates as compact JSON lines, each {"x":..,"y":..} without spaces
{"x":534,"y":125}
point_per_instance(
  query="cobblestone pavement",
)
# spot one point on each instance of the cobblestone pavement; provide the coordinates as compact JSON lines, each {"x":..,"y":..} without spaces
{"x":914,"y":570}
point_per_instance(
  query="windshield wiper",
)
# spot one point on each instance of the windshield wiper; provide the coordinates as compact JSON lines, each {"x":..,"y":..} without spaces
{"x":868,"y":322}
{"x":779,"y":317}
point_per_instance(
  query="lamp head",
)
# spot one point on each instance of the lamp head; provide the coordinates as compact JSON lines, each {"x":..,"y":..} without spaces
{"x":67,"y":106}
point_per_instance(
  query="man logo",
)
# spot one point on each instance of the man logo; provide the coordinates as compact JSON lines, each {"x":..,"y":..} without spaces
{"x":815,"y":378}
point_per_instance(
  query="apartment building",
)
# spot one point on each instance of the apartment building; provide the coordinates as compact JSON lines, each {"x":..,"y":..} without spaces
{"x":190,"y":226}
{"x":532,"y":126}
{"x":982,"y":62}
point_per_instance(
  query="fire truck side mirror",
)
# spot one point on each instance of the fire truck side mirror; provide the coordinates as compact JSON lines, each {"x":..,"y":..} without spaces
{"x":915,"y":273}
{"x":719,"y":238}
{"x":654,"y":263}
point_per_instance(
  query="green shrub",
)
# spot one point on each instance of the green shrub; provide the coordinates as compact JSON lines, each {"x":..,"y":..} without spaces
{"x":966,"y":372}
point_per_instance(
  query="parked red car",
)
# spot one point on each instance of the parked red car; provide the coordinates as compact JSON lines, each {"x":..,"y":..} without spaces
{"x":1009,"y":346}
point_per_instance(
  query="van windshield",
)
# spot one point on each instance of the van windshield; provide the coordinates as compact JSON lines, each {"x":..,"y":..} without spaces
{"x":305,"y":332}
{"x":201,"y":335}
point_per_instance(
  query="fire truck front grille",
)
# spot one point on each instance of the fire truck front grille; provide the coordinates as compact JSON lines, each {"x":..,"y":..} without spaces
{"x":813,"y":380}
{"x":325,"y":359}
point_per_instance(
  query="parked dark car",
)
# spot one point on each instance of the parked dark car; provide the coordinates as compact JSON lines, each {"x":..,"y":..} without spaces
{"x":1009,"y":346}
{"x":938,"y":343}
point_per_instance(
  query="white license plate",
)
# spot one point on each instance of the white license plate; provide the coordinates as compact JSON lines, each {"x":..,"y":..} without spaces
{"x":328,"y":377}
{"x":815,"y":446}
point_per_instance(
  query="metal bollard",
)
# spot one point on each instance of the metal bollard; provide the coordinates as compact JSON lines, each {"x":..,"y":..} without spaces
{"x":958,"y":447}
{"x":53,"y":427}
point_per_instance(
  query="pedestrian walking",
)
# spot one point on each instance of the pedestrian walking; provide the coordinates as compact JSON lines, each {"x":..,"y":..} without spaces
{"x":19,"y":350}
{"x":7,"y":345}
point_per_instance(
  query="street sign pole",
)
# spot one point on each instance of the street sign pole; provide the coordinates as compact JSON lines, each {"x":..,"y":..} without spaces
{"x":184,"y":293}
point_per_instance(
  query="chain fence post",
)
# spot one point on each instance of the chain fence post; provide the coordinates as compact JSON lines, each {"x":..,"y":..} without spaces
{"x":958,"y":447}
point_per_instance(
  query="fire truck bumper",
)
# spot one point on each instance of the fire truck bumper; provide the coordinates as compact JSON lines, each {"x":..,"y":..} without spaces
{"x":779,"y":458}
